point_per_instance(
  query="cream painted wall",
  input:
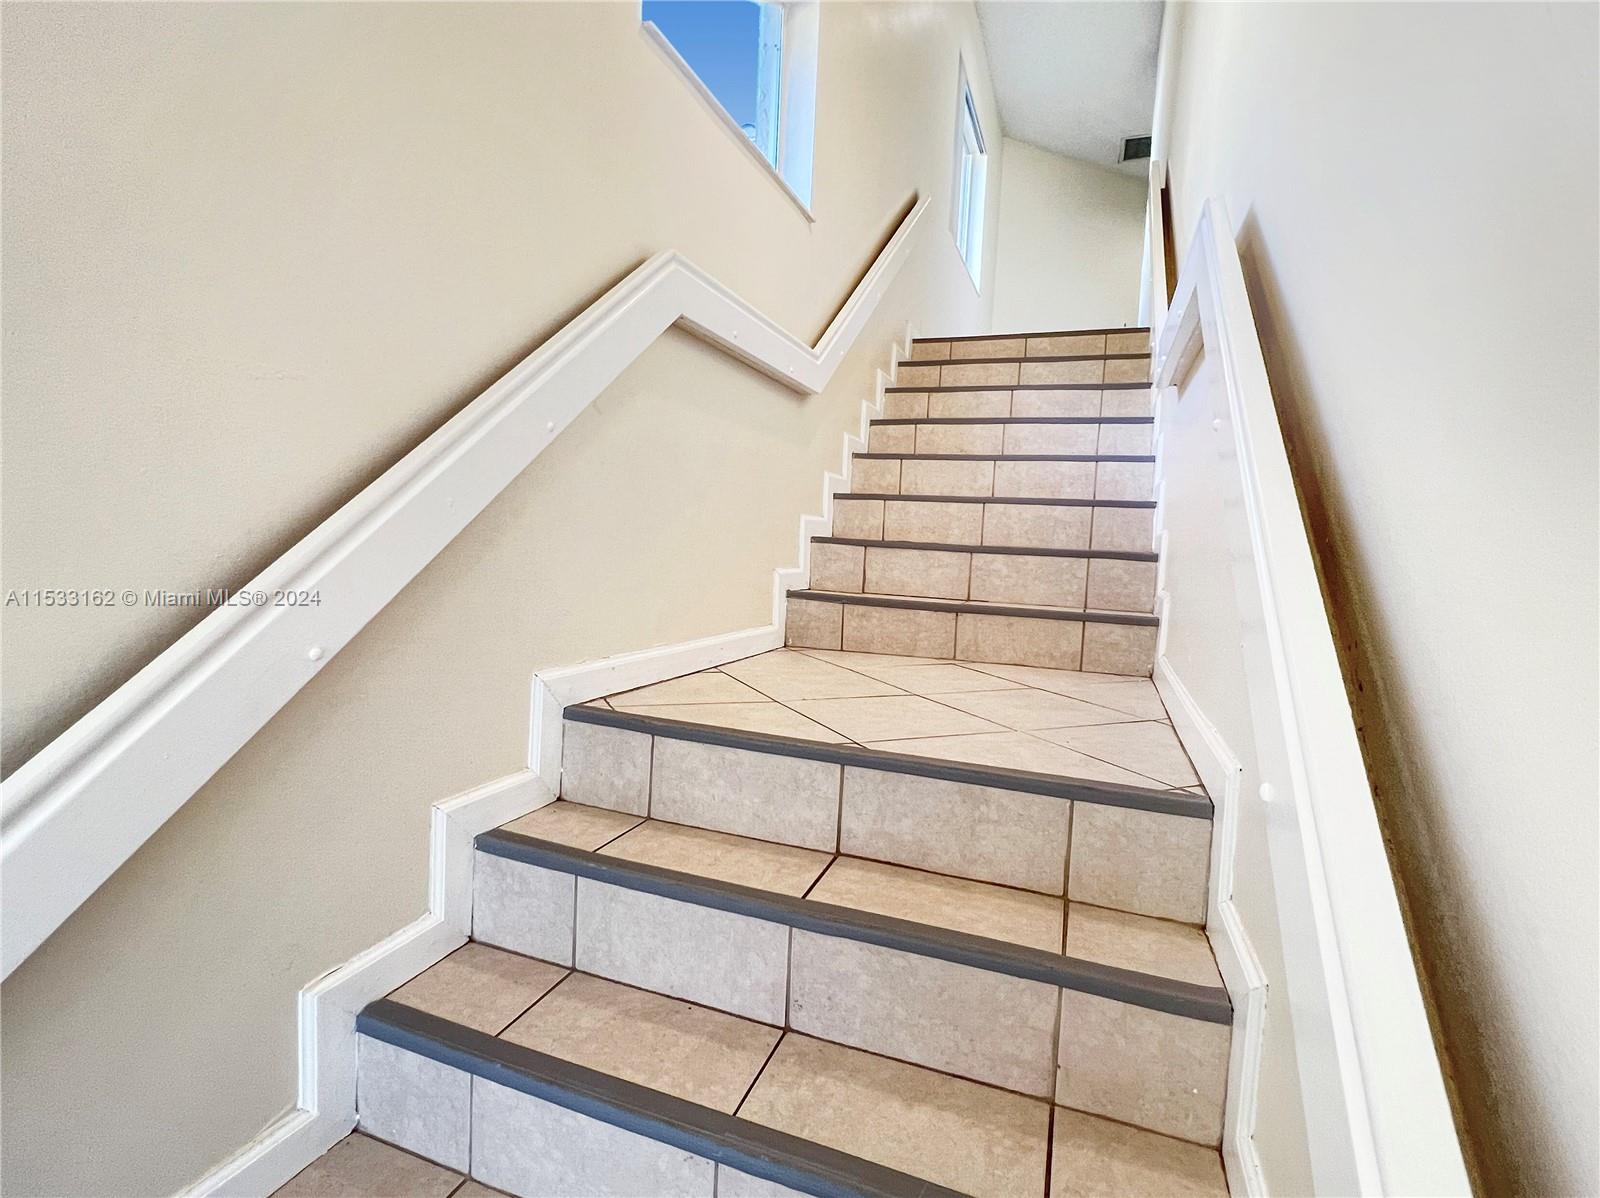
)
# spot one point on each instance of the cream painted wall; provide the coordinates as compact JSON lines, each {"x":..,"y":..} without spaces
{"x":1420,"y":243}
{"x":1071,"y":236}
{"x":256,"y":252}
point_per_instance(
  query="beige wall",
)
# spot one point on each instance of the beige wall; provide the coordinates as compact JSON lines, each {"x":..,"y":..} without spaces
{"x":1414,"y":192}
{"x":1071,"y":236}
{"x":256,"y":252}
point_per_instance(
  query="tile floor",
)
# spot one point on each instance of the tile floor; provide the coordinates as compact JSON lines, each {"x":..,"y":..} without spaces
{"x":1102,"y":727}
{"x":968,"y":1136}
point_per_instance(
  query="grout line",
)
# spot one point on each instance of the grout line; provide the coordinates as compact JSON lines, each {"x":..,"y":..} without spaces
{"x":1050,"y":1123}
{"x":772,"y":1052}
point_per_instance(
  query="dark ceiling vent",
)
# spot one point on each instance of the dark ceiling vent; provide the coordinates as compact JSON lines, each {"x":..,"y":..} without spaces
{"x":1134,"y":148}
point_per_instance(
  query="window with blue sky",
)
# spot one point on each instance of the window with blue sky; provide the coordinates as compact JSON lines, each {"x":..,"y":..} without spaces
{"x":721,"y":41}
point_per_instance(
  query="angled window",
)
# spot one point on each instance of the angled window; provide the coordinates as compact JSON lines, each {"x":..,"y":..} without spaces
{"x":755,"y":64}
{"x":970,"y":186}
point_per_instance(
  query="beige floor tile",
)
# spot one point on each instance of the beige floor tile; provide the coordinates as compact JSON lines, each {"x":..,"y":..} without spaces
{"x":1145,"y":747}
{"x":360,"y":1167}
{"x":708,"y":686}
{"x":1128,"y":370}
{"x":1021,"y":578}
{"x":929,"y":351}
{"x":890,"y":717}
{"x":1126,"y":438}
{"x":413,"y":1102}
{"x":851,"y":659}
{"x":1036,"y":525}
{"x":479,"y":986}
{"x":1009,"y":750}
{"x":977,"y":908}
{"x":939,"y":523}
{"x":861,"y":518}
{"x":762,"y":864}
{"x":905,"y":405}
{"x":956,"y":828}
{"x":704,"y":955}
{"x":1142,"y":861}
{"x":521,"y":907}
{"x":1116,"y":585}
{"x":1125,"y":480}
{"x":938,"y":679}
{"x":955,"y":1133}
{"x":836,"y":567}
{"x":947,"y":404}
{"x":1124,"y":528}
{"x":988,"y":347}
{"x":573,"y":824}
{"x":812,"y":625}
{"x":1024,"y":640}
{"x":785,"y":799}
{"x":1055,"y":403}
{"x":1044,"y":480}
{"x":1131,"y":402}
{"x":1148,"y":1068}
{"x":473,"y":1189}
{"x":1025,"y":709}
{"x":1096,"y":1158}
{"x":765,"y":716}
{"x":875,"y":476}
{"x":1135,"y":696}
{"x":1067,"y":345}
{"x":960,"y":438}
{"x":934,"y":477}
{"x":1091,"y":370}
{"x":1051,"y":438}
{"x":899,"y":630}
{"x":667,"y":1044}
{"x":979,"y":374}
{"x":605,"y":767}
{"x":788,"y":674}
{"x":892,"y":438}
{"x":535,"y":1148}
{"x":923,"y":572}
{"x":916,"y":376}
{"x":1139,"y":942}
{"x":1135,"y":341}
{"x":1119,"y":648}
{"x":923,"y":1010}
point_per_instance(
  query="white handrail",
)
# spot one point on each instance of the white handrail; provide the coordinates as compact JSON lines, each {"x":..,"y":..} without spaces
{"x":1378,"y":1118}
{"x":81,"y":806}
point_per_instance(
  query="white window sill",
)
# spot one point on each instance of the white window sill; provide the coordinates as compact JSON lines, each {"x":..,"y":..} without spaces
{"x":659,"y":40}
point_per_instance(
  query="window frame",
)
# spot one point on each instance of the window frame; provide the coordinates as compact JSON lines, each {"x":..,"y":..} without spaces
{"x":969,"y":181}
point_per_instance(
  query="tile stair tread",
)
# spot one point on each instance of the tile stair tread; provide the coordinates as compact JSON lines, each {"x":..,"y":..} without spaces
{"x":933,"y":339}
{"x":973,"y":606}
{"x":1140,"y":945}
{"x":1127,"y":555}
{"x":810,"y":1113}
{"x":895,"y":495}
{"x":869,"y":756}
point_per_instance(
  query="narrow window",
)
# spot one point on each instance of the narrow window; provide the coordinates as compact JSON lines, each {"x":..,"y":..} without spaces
{"x":971,"y":172}
{"x":756,"y":64}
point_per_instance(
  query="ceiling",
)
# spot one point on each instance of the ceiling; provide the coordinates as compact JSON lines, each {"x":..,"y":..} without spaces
{"x":1074,"y":76}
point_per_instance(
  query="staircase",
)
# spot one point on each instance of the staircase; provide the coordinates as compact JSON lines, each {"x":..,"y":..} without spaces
{"x":912,"y":906}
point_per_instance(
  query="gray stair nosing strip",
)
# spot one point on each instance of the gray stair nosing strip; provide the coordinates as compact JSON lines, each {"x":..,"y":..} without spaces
{"x":1129,"y":503}
{"x":1151,"y":991}
{"x":1138,"y":328}
{"x":960,"y":607}
{"x":764,"y":1152}
{"x":1010,"y":457}
{"x":1014,"y":420}
{"x":1121,"y":555}
{"x":929,"y":387}
{"x":998,"y":777}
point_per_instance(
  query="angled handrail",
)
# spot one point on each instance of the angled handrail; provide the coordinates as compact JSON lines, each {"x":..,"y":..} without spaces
{"x":79,"y":808}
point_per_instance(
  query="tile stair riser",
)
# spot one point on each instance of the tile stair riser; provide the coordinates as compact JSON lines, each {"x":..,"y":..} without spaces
{"x":1079,"y":526}
{"x":972,"y":1021}
{"x":1054,"y":581}
{"x":965,"y":821}
{"x":1121,"y":436}
{"x":1126,"y":476}
{"x":1091,"y":644}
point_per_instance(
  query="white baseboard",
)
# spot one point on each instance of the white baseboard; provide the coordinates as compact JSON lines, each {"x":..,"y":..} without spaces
{"x":326,"y":1109}
{"x":1242,"y":974}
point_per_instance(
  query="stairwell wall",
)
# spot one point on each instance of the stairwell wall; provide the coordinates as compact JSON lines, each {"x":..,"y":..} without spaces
{"x":1413,"y":188}
{"x":254,"y":254}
